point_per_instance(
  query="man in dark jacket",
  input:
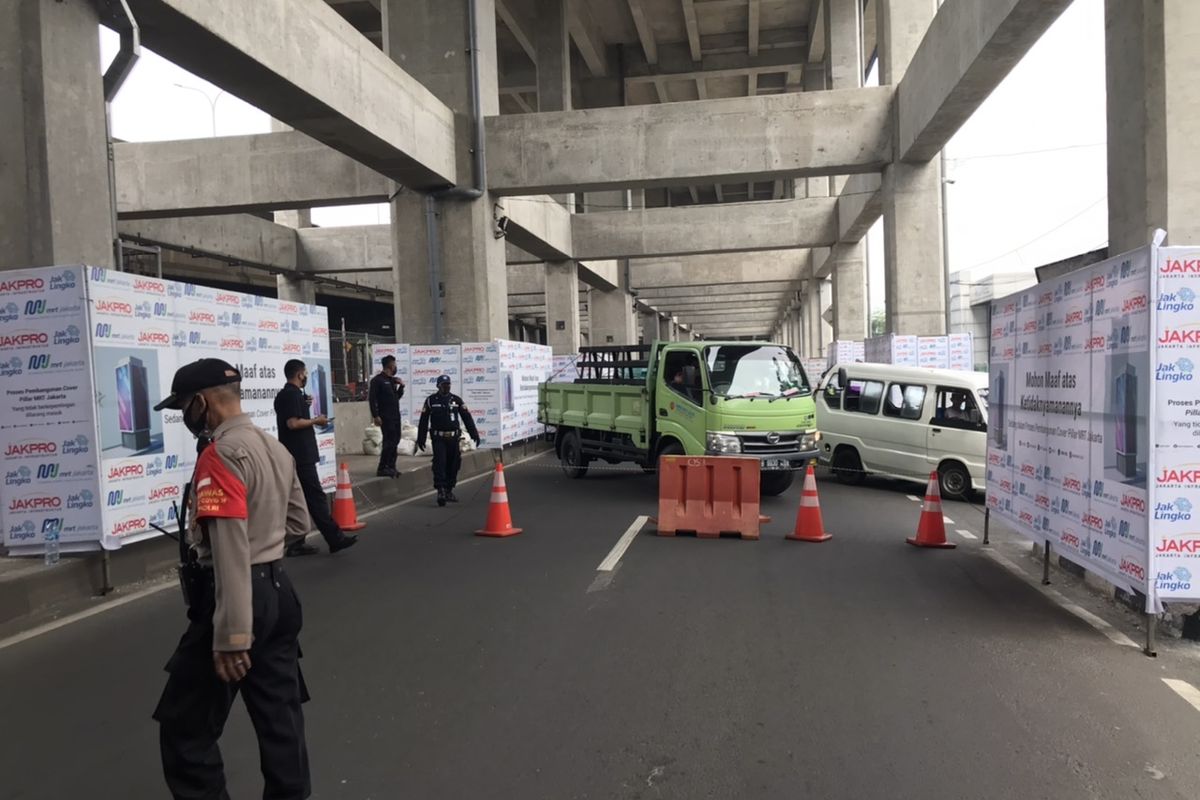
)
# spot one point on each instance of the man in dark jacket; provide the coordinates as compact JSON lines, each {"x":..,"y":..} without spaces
{"x":384,"y":399}
{"x":297,"y":432}
{"x":443,"y":417}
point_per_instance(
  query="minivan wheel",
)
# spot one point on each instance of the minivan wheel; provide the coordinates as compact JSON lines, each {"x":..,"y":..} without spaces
{"x":847,"y":466}
{"x":954,"y":480}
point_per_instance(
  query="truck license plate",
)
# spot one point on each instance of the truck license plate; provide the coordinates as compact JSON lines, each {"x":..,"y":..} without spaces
{"x":776,"y":463}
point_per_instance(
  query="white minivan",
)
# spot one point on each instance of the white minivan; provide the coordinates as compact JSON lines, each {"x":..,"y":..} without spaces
{"x":905,"y":422}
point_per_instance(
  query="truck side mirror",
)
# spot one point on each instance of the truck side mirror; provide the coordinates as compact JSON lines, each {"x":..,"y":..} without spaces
{"x":842,"y":378}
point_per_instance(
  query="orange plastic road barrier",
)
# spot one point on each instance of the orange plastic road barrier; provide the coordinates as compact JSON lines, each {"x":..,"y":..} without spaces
{"x":931,"y":530}
{"x":499,"y":520}
{"x":344,"y":512}
{"x":809,"y":525}
{"x":709,"y":495}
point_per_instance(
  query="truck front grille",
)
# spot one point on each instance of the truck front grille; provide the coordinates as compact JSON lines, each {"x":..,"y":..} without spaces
{"x":758,"y":444}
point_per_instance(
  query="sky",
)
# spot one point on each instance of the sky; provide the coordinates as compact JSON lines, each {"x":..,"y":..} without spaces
{"x":1028,"y":169}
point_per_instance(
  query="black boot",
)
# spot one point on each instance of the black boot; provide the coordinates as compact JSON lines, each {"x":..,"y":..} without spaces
{"x":450,"y":496}
{"x":441,"y":498}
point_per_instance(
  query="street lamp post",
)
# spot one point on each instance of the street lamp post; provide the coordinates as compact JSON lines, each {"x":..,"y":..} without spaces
{"x":212,"y":102}
{"x":946,"y":238}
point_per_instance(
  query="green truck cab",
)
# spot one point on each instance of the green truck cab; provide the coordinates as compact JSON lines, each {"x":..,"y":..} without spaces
{"x":636,"y":403}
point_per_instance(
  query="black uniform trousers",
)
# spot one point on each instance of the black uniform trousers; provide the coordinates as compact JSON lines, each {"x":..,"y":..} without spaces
{"x":447,"y":458}
{"x":318,"y":503}
{"x":196,"y":703}
{"x":391,"y":440}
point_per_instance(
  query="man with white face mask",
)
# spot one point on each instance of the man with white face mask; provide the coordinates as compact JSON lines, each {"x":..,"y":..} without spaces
{"x":244,"y":616}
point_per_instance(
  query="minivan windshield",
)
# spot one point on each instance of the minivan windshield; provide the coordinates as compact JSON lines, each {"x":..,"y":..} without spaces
{"x":755,"y":370}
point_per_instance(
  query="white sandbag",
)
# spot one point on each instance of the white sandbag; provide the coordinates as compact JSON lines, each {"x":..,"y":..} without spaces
{"x":408,"y":433}
{"x":406,"y":447}
{"x":465,"y":445}
{"x":372,"y":441}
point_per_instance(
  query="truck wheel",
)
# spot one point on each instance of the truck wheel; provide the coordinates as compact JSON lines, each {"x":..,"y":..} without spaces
{"x":847,"y":466}
{"x":669,"y":448}
{"x":954,"y":480}
{"x":574,"y":465}
{"x":775,"y":482}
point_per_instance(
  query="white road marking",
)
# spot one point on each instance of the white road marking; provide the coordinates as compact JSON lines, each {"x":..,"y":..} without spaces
{"x":1114,"y":635}
{"x":966,"y":534}
{"x":610,"y":561}
{"x":948,"y":521}
{"x":109,"y":605}
{"x":1185,"y":690}
{"x":914,"y":499}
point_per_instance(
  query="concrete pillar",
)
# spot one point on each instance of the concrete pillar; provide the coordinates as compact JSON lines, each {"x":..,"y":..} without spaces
{"x":553,"y":44}
{"x":649,"y":322}
{"x":293,"y":218}
{"x":666,"y":329}
{"x":430,"y":40}
{"x":296,"y":290}
{"x":1153,"y":167}
{"x":54,"y":191}
{"x":562,"y":306}
{"x":914,"y":264}
{"x":849,"y":290}
{"x":612,"y":317}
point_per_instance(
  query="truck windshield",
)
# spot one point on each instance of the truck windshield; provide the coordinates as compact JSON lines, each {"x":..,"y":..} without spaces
{"x":755,"y":370}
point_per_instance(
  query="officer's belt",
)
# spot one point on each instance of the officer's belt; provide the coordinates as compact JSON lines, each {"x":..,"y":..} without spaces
{"x":264,"y":571}
{"x":446,"y":434}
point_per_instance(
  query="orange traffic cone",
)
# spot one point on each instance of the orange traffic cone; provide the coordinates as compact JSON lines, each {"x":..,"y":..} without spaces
{"x":809,"y":525}
{"x":931,"y":530}
{"x":499,"y":520}
{"x":344,"y":512}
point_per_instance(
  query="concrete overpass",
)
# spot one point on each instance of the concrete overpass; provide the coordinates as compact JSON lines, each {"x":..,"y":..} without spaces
{"x":714,"y":163}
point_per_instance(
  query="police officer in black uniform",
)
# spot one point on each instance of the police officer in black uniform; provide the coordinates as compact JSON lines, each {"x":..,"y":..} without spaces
{"x":383,"y":397}
{"x":440,"y":418}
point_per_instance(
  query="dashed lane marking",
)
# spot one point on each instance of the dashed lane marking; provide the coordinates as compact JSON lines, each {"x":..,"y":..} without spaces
{"x":914,"y":499}
{"x":1056,"y":597}
{"x":614,"y":556}
{"x":948,"y":521}
{"x":965,"y":534}
{"x":1185,"y":690}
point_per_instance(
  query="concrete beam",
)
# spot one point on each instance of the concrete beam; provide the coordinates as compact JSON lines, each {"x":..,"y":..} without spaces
{"x":521,"y":28}
{"x":719,"y":228}
{"x":645,"y":30}
{"x":586,"y":35}
{"x":712,"y":270}
{"x":693,"y":27}
{"x":306,"y":66}
{"x":539,"y":226}
{"x":742,"y":139}
{"x":236,"y":237}
{"x":714,"y":291}
{"x":860,"y":206}
{"x":970,"y":47}
{"x":358,"y":253}
{"x":228,"y":174}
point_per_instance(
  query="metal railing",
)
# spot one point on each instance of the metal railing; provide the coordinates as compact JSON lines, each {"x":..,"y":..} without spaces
{"x":350,"y":361}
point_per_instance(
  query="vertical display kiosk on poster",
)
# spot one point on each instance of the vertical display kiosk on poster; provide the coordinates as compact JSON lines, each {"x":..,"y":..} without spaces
{"x":85,"y":353}
{"x":1093,"y":443}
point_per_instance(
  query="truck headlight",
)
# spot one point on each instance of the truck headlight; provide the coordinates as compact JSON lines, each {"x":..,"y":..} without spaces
{"x":723,"y":443}
{"x":809,"y":440}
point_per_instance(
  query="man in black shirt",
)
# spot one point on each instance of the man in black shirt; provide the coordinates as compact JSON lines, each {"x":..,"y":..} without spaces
{"x":297,"y":433}
{"x":384,"y":399}
{"x":440,"y":418}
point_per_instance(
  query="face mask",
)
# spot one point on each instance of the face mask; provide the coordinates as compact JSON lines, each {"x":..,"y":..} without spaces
{"x":196,"y":421}
{"x":303,"y":380}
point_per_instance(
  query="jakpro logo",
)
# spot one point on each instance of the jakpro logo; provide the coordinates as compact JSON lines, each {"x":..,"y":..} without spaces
{"x":1180,"y":266}
{"x":1096,"y":343}
{"x":1030,"y":327}
{"x":24,"y":339}
{"x":1186,"y":546}
{"x":1135,"y":303}
{"x":1045,"y":298}
{"x":232,"y":344}
{"x":1095,"y":283}
{"x":1178,"y":511}
{"x":268,"y":325}
{"x":1178,"y":580}
{"x":1028,"y":471}
{"x":289,"y":308}
{"x":118,"y":308}
{"x":19,"y":477}
{"x":1177,"y":302}
{"x":83,"y":499}
{"x":1072,"y":484}
{"x":30,"y":448}
{"x":168,"y":491}
{"x":1042,"y":501}
{"x":1074,"y":317}
{"x":26,"y":530}
{"x":1184,"y":475}
{"x":1131,"y":502}
{"x":22,"y":286}
{"x":1182,"y":371}
{"x":126,"y":471}
{"x":71,"y":335}
{"x":1092,"y":522}
{"x":128,"y":525}
{"x":149,"y":287}
{"x":35,"y":503}
{"x":228,"y":299}
{"x":1069,"y":539}
{"x":202,"y":318}
{"x":155,"y":338}
{"x":320,"y":331}
{"x":291,"y":347}
{"x":1177,"y":337}
{"x":1026,"y":519}
{"x":1133,"y":569}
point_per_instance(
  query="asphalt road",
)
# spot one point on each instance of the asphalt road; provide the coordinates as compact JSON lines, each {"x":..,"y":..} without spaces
{"x":443,"y":665}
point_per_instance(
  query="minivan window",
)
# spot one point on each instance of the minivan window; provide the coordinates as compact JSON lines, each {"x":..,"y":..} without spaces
{"x":904,"y":400}
{"x":863,"y":397}
{"x":956,"y":408}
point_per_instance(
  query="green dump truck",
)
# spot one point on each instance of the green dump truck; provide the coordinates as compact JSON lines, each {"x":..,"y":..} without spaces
{"x":636,"y":403}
